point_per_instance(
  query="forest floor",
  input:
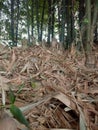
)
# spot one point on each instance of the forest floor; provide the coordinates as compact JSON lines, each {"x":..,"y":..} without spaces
{"x":54,"y":89}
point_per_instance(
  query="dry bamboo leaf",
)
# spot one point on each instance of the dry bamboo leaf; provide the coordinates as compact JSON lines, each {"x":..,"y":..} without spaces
{"x":4,"y":83}
{"x":66,"y":100}
{"x":26,"y":67}
{"x":82,"y":120}
{"x":33,"y":105}
{"x":5,"y":64}
{"x":82,"y":123}
{"x":13,"y":59}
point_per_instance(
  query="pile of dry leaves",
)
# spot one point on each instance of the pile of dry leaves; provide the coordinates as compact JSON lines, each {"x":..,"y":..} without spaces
{"x":54,"y":90}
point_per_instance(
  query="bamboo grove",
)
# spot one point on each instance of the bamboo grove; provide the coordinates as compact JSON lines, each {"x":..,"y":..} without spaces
{"x":70,"y":21}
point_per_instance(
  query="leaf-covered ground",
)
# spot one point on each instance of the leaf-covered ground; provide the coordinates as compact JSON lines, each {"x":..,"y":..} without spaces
{"x":54,"y":89}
